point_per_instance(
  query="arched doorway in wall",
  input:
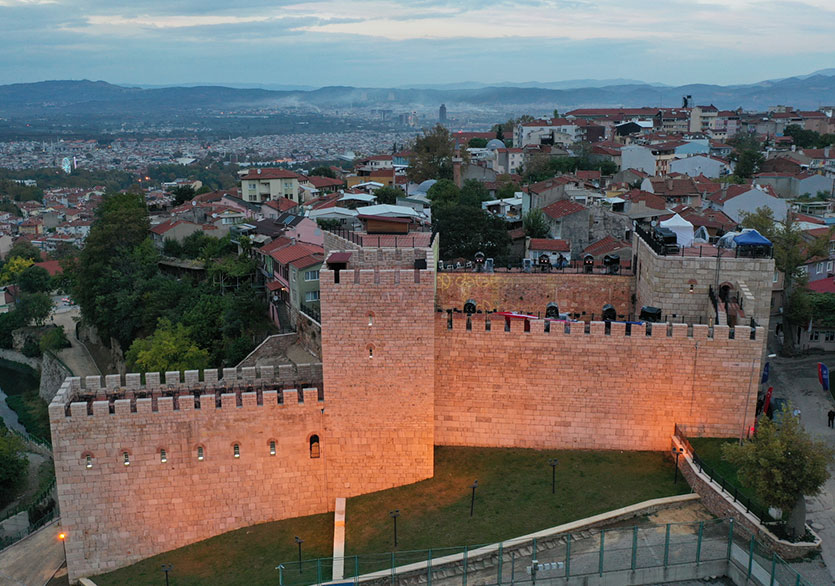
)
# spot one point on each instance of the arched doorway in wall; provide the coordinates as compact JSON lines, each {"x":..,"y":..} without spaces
{"x":315,"y":447}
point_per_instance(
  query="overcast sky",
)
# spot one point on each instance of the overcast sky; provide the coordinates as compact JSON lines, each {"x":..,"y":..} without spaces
{"x":375,"y":43}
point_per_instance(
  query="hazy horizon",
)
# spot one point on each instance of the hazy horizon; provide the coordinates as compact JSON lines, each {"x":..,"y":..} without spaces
{"x":395,"y":43}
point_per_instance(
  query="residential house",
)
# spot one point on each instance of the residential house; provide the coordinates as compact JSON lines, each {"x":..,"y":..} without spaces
{"x":260,"y":185}
{"x":674,"y":190}
{"x":568,"y":220}
{"x":733,"y":200}
{"x":558,"y":251}
{"x":538,"y":195}
{"x":178,"y":230}
{"x":796,"y":185}
{"x":700,"y":165}
{"x":651,"y":159}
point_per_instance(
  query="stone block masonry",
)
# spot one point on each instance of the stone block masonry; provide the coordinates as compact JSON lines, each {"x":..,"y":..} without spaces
{"x":531,"y":292}
{"x":164,"y":470}
{"x":378,"y":342}
{"x":576,"y":386}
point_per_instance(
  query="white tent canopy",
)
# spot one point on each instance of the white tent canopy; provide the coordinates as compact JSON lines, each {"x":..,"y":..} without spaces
{"x":682,"y":228}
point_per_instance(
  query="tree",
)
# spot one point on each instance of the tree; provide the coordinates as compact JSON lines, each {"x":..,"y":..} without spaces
{"x":13,"y":465}
{"x":535,"y":224}
{"x":432,"y":155}
{"x":782,"y":464}
{"x":322,"y":171}
{"x":477,"y":143}
{"x":443,"y":193}
{"x":35,"y":307}
{"x":791,"y":252}
{"x":388,"y":194}
{"x":24,"y":249}
{"x":168,"y":348}
{"x":473,"y":193}
{"x":182,"y":194}
{"x":748,"y":163}
{"x":13,"y":268}
{"x":35,"y":280}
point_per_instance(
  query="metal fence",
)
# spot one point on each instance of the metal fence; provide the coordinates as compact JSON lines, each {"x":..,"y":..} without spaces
{"x":40,"y":510}
{"x":592,"y":552}
{"x":725,"y":485}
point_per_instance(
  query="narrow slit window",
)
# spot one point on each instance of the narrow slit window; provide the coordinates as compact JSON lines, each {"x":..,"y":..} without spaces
{"x":126,"y":458}
{"x":314,"y":446}
{"x":163,"y":457}
{"x":236,"y":450}
{"x":88,"y":461}
{"x":272,"y":448}
{"x":200,"y":453}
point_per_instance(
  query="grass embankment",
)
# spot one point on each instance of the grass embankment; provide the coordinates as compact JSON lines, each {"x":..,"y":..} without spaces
{"x":21,"y":387}
{"x":513,"y":498}
{"x":709,"y":449}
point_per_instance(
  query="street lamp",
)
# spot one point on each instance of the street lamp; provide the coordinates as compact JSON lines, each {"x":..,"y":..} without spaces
{"x":394,"y":514}
{"x":472,"y":500}
{"x":553,"y":463}
{"x":299,"y":542}
{"x":677,"y":452}
{"x":167,"y":568}
{"x":63,"y":537}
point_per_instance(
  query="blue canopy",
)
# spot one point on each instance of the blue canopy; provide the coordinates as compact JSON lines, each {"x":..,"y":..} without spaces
{"x":751,"y":237}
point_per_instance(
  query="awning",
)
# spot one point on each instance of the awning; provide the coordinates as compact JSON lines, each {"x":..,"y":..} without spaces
{"x":339,"y":257}
{"x":274,"y":286}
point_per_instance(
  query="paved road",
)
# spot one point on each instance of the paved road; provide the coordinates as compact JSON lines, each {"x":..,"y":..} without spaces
{"x":796,"y":379}
{"x":32,"y":561}
{"x":76,"y":357}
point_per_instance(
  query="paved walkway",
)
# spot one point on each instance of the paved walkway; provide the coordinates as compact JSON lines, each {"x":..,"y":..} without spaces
{"x":796,"y":379}
{"x":33,"y":560}
{"x":77,"y":358}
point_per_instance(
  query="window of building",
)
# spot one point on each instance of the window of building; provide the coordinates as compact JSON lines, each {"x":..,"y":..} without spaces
{"x":236,"y":450}
{"x":293,"y":275}
{"x":829,"y":267}
{"x":126,"y":458}
{"x":311,"y":275}
{"x":815,"y":336}
{"x":311,"y":296}
{"x":163,"y":456}
{"x":88,"y":461}
{"x":820,"y":267}
{"x":829,"y":336}
{"x":776,"y":275}
{"x":272,"y":447}
{"x":200,"y":453}
{"x":252,"y":185}
{"x":314,"y":446}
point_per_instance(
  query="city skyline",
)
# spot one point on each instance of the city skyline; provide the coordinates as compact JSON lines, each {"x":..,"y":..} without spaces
{"x":387,"y":43}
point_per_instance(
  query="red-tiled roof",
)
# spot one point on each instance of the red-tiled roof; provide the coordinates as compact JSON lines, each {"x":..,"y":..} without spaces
{"x":53,"y":267}
{"x":560,"y":209}
{"x":307,"y":261}
{"x":650,"y":199}
{"x":823,"y":285}
{"x":323,"y":182}
{"x":551,"y":183}
{"x":605,"y":245}
{"x":269,"y":173}
{"x":294,"y":252}
{"x":674,"y":186}
{"x":549,"y":245}
{"x":275,"y":245}
{"x":282,"y":204}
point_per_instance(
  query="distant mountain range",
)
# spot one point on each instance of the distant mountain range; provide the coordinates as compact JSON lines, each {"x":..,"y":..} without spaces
{"x":62,"y":98}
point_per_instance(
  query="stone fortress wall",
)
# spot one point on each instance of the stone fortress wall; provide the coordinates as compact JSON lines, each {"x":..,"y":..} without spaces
{"x":115,"y":514}
{"x":578,"y":387}
{"x":399,"y":377}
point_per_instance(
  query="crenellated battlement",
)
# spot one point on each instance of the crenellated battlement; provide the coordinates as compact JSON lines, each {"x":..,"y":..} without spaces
{"x":496,"y":324}
{"x":377,"y":276}
{"x":246,"y":387}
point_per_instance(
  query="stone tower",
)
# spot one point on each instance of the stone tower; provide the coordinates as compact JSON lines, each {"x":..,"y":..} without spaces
{"x":377,"y":297}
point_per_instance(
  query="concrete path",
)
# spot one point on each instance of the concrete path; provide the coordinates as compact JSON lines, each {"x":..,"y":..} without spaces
{"x":339,"y":539}
{"x":796,"y":379}
{"x":33,"y":560}
{"x":77,"y":357}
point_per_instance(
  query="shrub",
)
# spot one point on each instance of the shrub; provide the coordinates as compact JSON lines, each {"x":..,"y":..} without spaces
{"x":31,"y":348}
{"x":54,"y":339}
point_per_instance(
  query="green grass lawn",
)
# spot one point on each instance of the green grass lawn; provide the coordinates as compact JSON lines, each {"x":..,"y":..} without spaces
{"x":709,"y":449}
{"x":513,"y":498}
{"x":32,"y":412}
